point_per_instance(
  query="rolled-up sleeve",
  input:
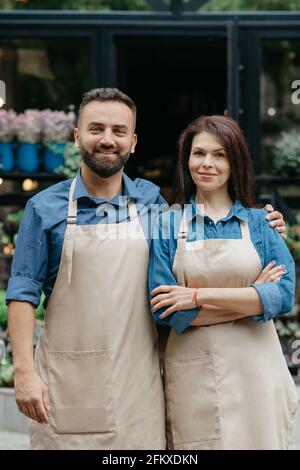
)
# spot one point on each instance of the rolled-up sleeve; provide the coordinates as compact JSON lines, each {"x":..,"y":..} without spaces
{"x":276,"y":298}
{"x":30,"y":262}
{"x":160,"y":273}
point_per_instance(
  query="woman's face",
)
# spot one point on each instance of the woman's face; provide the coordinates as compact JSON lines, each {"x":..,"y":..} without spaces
{"x":208,"y":163}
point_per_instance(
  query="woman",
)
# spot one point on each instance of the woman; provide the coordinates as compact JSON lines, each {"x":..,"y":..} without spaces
{"x":227,"y":385}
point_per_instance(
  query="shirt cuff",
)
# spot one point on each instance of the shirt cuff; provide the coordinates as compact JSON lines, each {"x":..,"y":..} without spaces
{"x":270,"y":299}
{"x":23,"y":289}
{"x":182,"y":319}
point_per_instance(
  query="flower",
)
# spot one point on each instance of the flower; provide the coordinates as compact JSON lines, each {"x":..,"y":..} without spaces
{"x":7,"y":118}
{"x":287,"y":154}
{"x":28,"y":126}
{"x":293,"y":241}
{"x":72,"y":161}
{"x":57,"y":126}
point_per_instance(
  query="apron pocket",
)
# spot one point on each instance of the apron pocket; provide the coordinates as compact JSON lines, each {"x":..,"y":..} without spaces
{"x":192,"y":402}
{"x":80,"y":392}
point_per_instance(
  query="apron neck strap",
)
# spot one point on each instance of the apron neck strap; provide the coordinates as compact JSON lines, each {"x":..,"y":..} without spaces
{"x":72,"y":208}
{"x":132,"y":210}
{"x":245,"y":230}
{"x":70,"y":230}
{"x":181,"y":243}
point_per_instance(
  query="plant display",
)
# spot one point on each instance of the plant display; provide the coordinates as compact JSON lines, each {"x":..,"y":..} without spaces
{"x":57,"y":126}
{"x":8,"y":231}
{"x":72,"y":161}
{"x":28,"y":126}
{"x":7,"y":119}
{"x":287,"y":154}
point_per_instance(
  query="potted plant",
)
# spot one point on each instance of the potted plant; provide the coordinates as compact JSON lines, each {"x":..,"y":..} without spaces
{"x":28,"y":128}
{"x":72,"y":161}
{"x":288,"y":329}
{"x":57,"y":128}
{"x":287,"y":154}
{"x":293,"y":241}
{"x":7,"y":118}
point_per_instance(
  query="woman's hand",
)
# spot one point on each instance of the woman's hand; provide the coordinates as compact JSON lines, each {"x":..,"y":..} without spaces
{"x":174,"y":297}
{"x":271,"y":273}
{"x":182,"y":298}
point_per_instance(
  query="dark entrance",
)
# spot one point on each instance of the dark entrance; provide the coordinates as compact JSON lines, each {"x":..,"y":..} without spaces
{"x":172,"y":80}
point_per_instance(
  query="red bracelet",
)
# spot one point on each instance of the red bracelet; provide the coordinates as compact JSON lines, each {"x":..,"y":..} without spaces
{"x":195,"y":298}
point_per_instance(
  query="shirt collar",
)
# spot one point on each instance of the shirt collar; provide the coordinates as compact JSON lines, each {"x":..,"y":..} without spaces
{"x":129,"y":189}
{"x":237,"y":210}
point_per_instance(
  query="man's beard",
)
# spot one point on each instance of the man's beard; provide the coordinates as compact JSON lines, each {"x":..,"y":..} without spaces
{"x":103,"y":166}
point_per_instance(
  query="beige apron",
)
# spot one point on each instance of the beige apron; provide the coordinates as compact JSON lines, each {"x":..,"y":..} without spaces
{"x":98,"y":351}
{"x":227,"y":386}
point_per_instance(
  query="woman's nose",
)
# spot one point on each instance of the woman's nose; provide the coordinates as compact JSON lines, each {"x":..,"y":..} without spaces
{"x":207,"y":161}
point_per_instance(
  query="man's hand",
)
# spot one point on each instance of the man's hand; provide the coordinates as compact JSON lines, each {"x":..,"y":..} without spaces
{"x":277,"y":220}
{"x":32,"y":396}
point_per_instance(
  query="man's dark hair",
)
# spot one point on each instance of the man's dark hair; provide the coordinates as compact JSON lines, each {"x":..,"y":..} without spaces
{"x":107,"y":94}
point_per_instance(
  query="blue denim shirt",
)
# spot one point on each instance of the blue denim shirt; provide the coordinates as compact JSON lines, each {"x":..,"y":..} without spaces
{"x":41,"y":233}
{"x":275,"y":298}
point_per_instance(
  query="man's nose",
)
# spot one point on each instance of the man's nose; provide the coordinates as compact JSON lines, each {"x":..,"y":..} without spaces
{"x":107,"y":138}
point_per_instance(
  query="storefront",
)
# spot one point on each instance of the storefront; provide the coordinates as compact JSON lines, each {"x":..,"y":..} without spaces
{"x":174,"y":66}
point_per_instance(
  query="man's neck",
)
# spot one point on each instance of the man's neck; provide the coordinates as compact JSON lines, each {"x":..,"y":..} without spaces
{"x":99,"y":187}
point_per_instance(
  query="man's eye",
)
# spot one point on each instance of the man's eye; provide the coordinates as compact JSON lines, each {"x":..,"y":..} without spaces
{"x":120,"y":132}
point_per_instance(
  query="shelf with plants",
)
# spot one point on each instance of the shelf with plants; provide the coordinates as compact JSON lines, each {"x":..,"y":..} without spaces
{"x":285,"y":157}
{"x":17,"y":175}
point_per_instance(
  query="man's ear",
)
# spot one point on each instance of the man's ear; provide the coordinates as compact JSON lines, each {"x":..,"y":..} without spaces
{"x":134,"y":142}
{"x":76,"y":137}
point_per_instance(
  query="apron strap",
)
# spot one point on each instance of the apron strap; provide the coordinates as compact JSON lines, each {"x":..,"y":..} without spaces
{"x":71,"y":230}
{"x":245,"y":230}
{"x":132,"y":210}
{"x":181,"y":243}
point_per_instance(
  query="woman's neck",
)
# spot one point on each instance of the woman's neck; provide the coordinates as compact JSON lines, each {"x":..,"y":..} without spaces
{"x":216,"y":204}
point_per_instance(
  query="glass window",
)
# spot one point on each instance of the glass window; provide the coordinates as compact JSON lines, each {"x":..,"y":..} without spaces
{"x":250,"y":5}
{"x":279,"y":112}
{"x":45,"y":73}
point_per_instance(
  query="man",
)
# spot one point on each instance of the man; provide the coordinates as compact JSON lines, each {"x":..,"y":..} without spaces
{"x":95,"y":383}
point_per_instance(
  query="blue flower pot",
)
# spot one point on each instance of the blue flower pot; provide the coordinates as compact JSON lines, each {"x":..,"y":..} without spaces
{"x":54,"y":157}
{"x":6,"y":157}
{"x":28,"y":157}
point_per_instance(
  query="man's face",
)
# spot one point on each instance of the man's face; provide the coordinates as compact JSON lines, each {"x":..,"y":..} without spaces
{"x":105,"y":136}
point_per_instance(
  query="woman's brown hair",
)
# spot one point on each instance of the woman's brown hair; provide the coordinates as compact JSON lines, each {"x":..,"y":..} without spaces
{"x":230,"y":136}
